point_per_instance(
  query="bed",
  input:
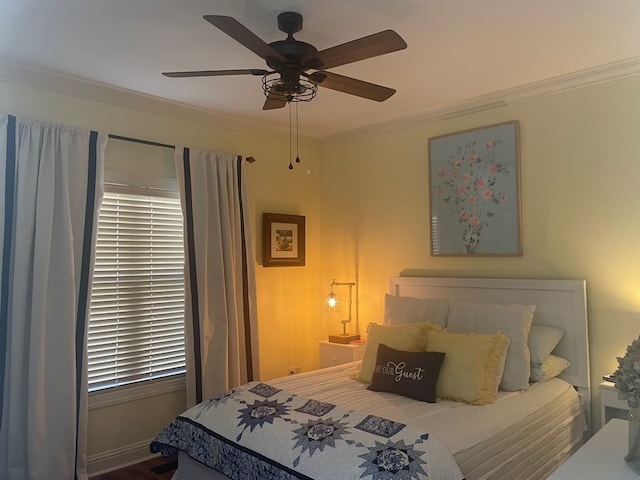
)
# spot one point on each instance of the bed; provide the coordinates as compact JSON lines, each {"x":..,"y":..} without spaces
{"x":518,"y":434}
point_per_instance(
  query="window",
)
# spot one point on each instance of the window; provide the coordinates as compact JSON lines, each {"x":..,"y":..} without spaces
{"x":136,"y":325}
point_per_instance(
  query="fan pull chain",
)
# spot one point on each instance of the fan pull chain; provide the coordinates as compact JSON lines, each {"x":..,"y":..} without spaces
{"x":290,"y":147}
{"x":297,"y":135}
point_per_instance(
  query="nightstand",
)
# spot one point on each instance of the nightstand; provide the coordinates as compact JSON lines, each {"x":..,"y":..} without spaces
{"x":601,"y":457}
{"x":337,"y":353}
{"x":610,"y":405}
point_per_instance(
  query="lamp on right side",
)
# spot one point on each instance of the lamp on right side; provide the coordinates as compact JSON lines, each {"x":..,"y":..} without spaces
{"x":332,"y":302}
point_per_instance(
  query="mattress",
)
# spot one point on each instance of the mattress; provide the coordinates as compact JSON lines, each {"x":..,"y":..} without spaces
{"x":523,"y":435}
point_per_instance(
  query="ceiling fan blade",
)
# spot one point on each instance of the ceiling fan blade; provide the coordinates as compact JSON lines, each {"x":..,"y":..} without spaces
{"x":215,"y":73}
{"x":352,"y":86}
{"x":273,"y":101}
{"x":244,"y":36}
{"x":374,"y":45}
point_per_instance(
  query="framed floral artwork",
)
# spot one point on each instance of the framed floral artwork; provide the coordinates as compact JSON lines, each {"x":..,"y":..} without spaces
{"x":474,"y":180}
{"x":283,"y":240}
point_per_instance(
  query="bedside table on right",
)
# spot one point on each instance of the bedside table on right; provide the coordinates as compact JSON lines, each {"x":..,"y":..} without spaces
{"x":601,"y":457}
{"x":610,"y":405}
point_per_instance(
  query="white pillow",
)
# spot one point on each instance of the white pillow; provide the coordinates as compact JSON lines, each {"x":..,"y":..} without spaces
{"x":542,"y":341}
{"x":512,"y":320}
{"x":402,"y":310}
{"x":550,"y":368}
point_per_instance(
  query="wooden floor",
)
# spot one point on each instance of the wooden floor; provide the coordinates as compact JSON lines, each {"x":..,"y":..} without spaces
{"x":165,"y":468}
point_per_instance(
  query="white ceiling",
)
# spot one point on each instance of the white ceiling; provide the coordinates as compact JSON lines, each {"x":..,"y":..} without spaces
{"x":457,"y":49}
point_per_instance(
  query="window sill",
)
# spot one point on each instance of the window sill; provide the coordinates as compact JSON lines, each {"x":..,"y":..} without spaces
{"x":114,"y":396}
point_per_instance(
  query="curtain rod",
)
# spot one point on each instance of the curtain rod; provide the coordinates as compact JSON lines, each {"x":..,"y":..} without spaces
{"x":156,"y":144}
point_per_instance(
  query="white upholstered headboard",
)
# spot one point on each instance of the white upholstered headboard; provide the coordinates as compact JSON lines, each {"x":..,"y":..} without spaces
{"x":561,"y":303}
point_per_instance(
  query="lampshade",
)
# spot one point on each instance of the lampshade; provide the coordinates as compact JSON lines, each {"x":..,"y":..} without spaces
{"x":289,"y":86}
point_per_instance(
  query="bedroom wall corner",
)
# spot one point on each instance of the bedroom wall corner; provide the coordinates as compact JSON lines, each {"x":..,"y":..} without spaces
{"x":287,"y":303}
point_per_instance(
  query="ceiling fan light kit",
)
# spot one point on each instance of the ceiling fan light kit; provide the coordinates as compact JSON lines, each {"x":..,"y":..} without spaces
{"x":279,"y":90}
{"x":290,"y":62}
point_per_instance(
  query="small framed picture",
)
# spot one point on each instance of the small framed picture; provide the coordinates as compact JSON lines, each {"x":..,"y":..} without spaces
{"x":282,"y":240}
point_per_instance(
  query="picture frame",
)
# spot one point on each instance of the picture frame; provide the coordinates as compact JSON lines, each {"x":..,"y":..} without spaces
{"x":283,"y":240}
{"x":474,"y":184}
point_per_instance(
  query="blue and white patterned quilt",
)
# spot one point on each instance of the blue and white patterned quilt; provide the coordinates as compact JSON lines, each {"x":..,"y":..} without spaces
{"x":261,"y":432}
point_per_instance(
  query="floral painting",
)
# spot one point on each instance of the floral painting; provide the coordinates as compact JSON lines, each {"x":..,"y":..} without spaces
{"x":474,"y":181}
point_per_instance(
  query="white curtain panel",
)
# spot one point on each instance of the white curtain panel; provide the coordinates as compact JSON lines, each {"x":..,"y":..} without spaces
{"x":51,"y":186}
{"x":220,"y":294}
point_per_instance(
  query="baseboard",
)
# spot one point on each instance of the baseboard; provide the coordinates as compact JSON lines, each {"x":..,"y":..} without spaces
{"x":119,"y":458}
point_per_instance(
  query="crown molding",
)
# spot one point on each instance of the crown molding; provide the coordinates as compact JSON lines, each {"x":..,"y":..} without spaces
{"x":47,"y":80}
{"x":551,"y":86}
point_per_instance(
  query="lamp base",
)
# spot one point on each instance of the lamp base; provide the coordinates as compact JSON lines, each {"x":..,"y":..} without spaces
{"x":343,"y":338}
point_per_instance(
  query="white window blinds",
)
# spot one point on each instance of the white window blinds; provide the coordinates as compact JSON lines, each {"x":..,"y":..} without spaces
{"x":136,"y":326}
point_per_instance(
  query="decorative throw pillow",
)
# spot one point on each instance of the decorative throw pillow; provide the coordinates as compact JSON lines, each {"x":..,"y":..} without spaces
{"x":550,"y":368}
{"x":542,"y":341}
{"x":410,"y":338}
{"x":511,"y":320}
{"x":400,"y":310}
{"x":411,"y":374}
{"x":472,"y":367}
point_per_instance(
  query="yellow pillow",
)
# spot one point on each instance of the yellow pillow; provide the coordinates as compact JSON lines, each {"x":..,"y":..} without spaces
{"x":408,"y":338}
{"x":473,"y":365}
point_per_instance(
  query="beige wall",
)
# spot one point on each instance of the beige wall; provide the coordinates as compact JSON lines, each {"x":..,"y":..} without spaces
{"x":367,"y":211}
{"x":580,"y":181}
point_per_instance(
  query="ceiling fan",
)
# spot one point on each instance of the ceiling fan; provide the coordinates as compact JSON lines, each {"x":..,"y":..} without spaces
{"x":290,"y":61}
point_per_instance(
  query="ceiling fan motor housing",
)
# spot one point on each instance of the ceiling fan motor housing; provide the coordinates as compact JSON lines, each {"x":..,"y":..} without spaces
{"x":296,"y":53}
{"x":303,"y":56}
